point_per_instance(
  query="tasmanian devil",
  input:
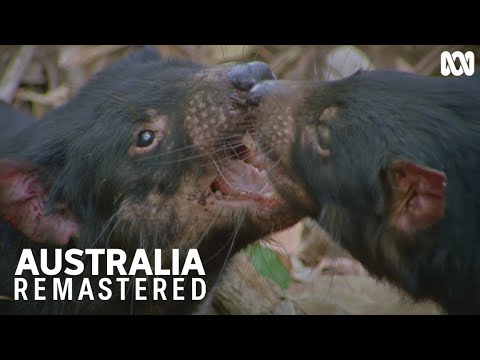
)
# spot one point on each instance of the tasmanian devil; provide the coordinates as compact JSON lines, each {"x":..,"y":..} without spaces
{"x":12,"y":121}
{"x":389,"y":163}
{"x":149,"y":154}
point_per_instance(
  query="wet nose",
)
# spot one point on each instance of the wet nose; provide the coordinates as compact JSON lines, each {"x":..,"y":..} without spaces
{"x":259,"y":90}
{"x":245,"y":76}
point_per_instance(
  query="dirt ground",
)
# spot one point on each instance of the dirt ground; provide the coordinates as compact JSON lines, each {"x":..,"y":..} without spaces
{"x":324,"y":278}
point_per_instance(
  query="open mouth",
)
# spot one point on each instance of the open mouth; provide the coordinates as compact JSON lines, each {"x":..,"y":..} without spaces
{"x":243,"y":177}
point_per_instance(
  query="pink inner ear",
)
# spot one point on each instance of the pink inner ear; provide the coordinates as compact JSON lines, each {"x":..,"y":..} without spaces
{"x":22,"y":203}
{"x":418,"y":196}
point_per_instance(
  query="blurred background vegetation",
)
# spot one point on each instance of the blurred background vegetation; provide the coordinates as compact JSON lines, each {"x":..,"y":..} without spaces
{"x":316,"y":274}
{"x":37,"y":78}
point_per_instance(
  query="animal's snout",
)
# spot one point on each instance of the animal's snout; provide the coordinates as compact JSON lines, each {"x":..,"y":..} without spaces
{"x":245,"y":76}
{"x":284,"y":92}
{"x":258,"y":91}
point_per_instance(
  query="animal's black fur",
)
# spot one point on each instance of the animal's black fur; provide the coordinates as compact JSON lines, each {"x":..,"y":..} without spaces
{"x":12,"y":121}
{"x":382,"y":116}
{"x":80,"y":151}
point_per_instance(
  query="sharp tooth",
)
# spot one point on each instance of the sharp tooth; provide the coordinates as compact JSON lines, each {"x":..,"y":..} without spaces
{"x":243,"y":193}
{"x":248,"y":141}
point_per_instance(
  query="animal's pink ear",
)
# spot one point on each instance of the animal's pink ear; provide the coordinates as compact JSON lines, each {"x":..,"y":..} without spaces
{"x":417,"y":198}
{"x":23,"y":203}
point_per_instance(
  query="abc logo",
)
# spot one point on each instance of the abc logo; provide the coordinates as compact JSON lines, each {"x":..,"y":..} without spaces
{"x":467,"y":63}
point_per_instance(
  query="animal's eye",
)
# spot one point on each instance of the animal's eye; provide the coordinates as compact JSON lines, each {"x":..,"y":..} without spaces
{"x":145,"y":138}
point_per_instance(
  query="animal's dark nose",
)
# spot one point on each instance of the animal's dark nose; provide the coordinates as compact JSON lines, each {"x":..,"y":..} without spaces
{"x":260,"y":90}
{"x":245,"y":76}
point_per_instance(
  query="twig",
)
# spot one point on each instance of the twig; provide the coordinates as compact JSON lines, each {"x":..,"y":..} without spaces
{"x":53,"y":98}
{"x":13,"y":74}
{"x":75,"y":56}
{"x":430,"y":61}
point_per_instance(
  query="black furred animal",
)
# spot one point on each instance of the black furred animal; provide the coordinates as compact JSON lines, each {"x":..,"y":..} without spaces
{"x":389,"y":163}
{"x":12,"y":121}
{"x":148,"y":155}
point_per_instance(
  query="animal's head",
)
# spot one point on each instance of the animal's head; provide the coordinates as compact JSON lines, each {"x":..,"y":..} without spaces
{"x":388,"y":163}
{"x":150,"y":154}
{"x":366,"y":155}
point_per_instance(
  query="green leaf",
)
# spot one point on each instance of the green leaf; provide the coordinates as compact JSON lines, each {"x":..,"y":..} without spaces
{"x":268,"y":264}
